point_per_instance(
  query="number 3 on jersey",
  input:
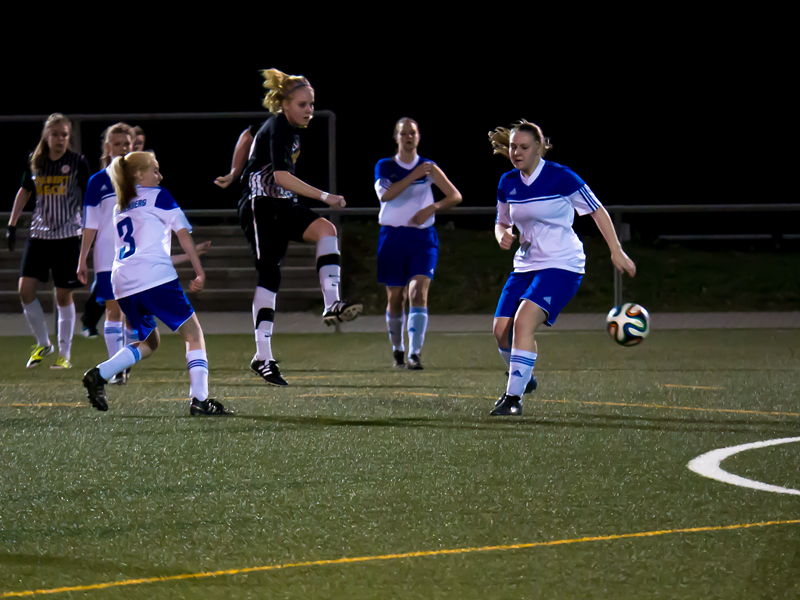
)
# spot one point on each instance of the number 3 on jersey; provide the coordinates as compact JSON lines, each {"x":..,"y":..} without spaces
{"x":125,"y":230}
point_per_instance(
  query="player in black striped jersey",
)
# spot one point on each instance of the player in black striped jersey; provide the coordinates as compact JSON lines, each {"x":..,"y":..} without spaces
{"x":271,"y":217}
{"x":56,"y":177}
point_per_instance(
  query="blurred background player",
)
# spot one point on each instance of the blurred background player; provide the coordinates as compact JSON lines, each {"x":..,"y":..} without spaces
{"x":540,"y":198}
{"x":145,"y":283}
{"x":138,"y":140}
{"x":240,"y":155}
{"x":57,"y":177}
{"x":408,"y":246}
{"x":271,"y":217}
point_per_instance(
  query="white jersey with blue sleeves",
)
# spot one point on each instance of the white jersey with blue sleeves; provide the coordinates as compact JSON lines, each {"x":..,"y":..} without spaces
{"x":98,"y":213}
{"x":542,"y":207}
{"x":144,"y":235}
{"x":399,"y":211}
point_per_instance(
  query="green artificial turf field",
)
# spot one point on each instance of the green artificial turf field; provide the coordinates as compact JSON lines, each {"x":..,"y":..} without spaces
{"x":360,"y":481}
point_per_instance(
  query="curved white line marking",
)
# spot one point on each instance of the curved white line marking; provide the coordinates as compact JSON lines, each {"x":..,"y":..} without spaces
{"x":707,"y":465}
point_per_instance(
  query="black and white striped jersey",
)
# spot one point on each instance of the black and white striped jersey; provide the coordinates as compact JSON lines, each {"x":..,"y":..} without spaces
{"x":58,"y":191}
{"x":275,"y":148}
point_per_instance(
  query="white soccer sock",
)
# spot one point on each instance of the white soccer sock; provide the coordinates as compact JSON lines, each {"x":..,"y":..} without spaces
{"x":329,"y":268}
{"x":198,"y":374}
{"x":35,"y":317}
{"x":112,"y":332}
{"x":263,"y":317}
{"x":417,"y":324}
{"x":394,"y":323}
{"x":520,"y":371}
{"x":66,"y":325}
{"x":505,"y":353}
{"x":127,"y":357}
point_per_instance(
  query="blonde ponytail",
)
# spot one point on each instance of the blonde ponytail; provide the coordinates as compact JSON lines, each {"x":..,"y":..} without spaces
{"x":500,"y":137}
{"x":280,"y":86}
{"x":122,"y":172}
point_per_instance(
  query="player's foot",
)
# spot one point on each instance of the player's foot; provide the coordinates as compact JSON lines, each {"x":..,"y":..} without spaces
{"x":95,"y":388}
{"x":399,"y":359}
{"x":61,"y":363}
{"x":341,"y":311}
{"x":37,"y":355}
{"x":210,"y":406}
{"x":269,"y":371}
{"x":118,"y":379}
{"x":414,"y":362}
{"x":507,"y":405}
{"x":89,"y":332}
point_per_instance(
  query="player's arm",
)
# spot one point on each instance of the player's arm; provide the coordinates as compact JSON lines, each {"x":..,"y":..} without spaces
{"x":398,"y":187}
{"x":86,"y":244}
{"x":201,"y":248}
{"x":452,"y":197}
{"x":291,"y":183}
{"x":621,"y":260}
{"x":240,"y":154}
{"x":503,"y":227}
{"x":20,"y":201}
{"x":186,"y":242}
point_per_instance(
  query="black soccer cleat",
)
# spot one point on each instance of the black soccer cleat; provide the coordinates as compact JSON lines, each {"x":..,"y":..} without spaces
{"x":269,"y":371}
{"x":399,"y":359}
{"x":95,"y":389}
{"x":209,"y":406}
{"x":341,"y":311}
{"x":507,"y":406}
{"x":414,"y":362}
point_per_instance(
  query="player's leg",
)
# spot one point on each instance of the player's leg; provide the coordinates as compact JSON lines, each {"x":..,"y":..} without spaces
{"x":66,"y":327}
{"x":393,"y":273}
{"x":92,"y":311}
{"x":66,"y":255}
{"x":503,"y":326}
{"x":113,"y":333}
{"x":322,"y":232}
{"x":395,"y":320}
{"x":34,"y":268}
{"x":417,"y":318}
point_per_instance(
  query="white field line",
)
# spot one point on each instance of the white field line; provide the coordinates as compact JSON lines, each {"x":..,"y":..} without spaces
{"x":707,"y":465}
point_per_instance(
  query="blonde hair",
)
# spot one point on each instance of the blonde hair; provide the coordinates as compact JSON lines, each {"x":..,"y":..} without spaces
{"x":123,"y":172}
{"x":500,"y":137}
{"x":280,"y":86}
{"x":105,"y":159}
{"x":43,"y":148}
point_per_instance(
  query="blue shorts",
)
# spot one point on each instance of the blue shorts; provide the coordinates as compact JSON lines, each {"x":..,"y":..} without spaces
{"x":166,"y":301}
{"x":405,"y":252}
{"x":102,"y":286}
{"x":549,"y":289}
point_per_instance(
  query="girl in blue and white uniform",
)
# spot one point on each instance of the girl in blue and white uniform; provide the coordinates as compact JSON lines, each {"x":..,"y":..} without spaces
{"x":540,"y":199}
{"x":408,"y":246}
{"x":144,"y":280}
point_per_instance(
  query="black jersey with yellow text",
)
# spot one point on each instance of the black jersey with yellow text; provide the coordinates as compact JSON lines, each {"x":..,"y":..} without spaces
{"x":275,"y":148}
{"x":58,"y":191}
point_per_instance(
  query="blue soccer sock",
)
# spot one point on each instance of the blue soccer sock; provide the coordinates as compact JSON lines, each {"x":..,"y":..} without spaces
{"x":417,"y":324}
{"x":197,"y":362}
{"x":127,"y":357}
{"x":520,"y":371}
{"x":394,"y":323}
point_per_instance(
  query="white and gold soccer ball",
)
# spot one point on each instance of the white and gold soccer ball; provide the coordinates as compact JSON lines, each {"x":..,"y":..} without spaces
{"x":628,"y":324}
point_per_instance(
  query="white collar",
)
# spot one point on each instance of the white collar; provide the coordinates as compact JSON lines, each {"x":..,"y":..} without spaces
{"x":534,"y":175}
{"x":407,"y":166}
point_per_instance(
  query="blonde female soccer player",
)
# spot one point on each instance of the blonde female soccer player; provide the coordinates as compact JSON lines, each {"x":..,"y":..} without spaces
{"x":408,"y":246}
{"x":540,"y":199}
{"x":145,"y":283}
{"x":271,"y":217}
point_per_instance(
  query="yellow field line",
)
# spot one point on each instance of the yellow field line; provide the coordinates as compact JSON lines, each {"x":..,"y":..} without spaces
{"x":692,"y":387}
{"x":363,"y":559}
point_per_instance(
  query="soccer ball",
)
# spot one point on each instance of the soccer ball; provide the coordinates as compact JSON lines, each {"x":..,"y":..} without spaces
{"x":628,"y":324}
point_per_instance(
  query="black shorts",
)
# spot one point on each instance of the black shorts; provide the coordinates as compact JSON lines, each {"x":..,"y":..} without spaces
{"x":274,"y":223}
{"x":59,"y":256}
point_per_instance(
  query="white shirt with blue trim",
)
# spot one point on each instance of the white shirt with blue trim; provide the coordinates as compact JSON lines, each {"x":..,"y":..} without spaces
{"x":98,"y":213}
{"x":143,"y":241}
{"x":399,"y":211}
{"x":542,"y":207}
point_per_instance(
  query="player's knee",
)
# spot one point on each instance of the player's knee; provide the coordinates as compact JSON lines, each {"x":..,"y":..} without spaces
{"x":501,"y":330}
{"x":327,"y":229}
{"x":153,"y":340}
{"x":63,"y":297}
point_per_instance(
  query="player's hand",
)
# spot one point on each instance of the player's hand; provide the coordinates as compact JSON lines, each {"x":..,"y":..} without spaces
{"x":422,"y":170}
{"x":423,"y":215}
{"x":335,"y":201}
{"x":202,"y":248}
{"x":507,"y":240}
{"x":11,"y":237}
{"x":196,"y":285}
{"x":224,"y":181}
{"x":83,"y":273}
{"x":623,"y":263}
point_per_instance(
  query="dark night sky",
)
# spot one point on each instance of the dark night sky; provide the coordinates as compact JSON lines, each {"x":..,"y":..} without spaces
{"x":640,"y":122}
